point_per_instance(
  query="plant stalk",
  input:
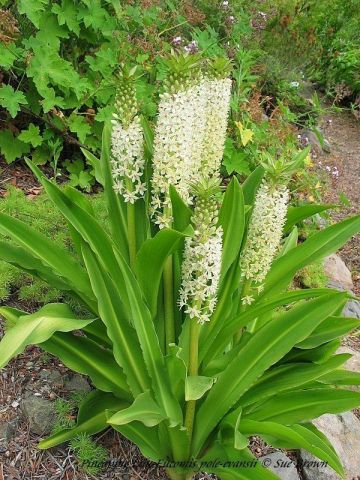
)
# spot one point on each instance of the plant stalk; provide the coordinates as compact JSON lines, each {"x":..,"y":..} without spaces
{"x":193,"y":368}
{"x":131,"y":228}
{"x":246,"y":287}
{"x":169,"y":303}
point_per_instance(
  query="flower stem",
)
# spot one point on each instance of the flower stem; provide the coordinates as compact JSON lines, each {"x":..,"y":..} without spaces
{"x":169,"y":303}
{"x":193,"y":367}
{"x":246,"y":287}
{"x":131,"y":228}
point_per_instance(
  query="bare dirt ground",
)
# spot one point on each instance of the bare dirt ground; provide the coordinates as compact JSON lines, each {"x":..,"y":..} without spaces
{"x":343,"y":132}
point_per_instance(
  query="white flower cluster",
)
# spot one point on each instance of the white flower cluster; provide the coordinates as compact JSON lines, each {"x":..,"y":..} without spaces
{"x":127,"y":159}
{"x":189,"y":141}
{"x":202,"y":264}
{"x":265,"y":232}
{"x":218,"y":92}
{"x":177,"y":148}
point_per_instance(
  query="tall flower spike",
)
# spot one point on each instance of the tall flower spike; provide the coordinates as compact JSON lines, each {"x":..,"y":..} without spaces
{"x":127,"y":142}
{"x":218,"y":92}
{"x":265,"y":232}
{"x":202,"y":256}
{"x":175,"y":135}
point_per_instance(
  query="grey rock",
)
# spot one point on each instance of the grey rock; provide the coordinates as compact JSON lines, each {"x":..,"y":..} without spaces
{"x":7,"y":430}
{"x":281,"y":465}
{"x":77,"y":383}
{"x":39,"y":412}
{"x":343,"y":432}
{"x":52,"y":377}
{"x":337,"y":271}
{"x":352,"y":308}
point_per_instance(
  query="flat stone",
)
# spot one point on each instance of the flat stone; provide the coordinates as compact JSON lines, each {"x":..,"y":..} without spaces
{"x":39,"y":412}
{"x":77,"y":383}
{"x":352,"y":308}
{"x":337,"y":271}
{"x":7,"y":430}
{"x":343,"y":432}
{"x":281,"y":465}
{"x":353,"y":363}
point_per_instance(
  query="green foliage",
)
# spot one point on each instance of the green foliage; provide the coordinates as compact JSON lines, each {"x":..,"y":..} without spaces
{"x":87,"y":453}
{"x":145,"y":386}
{"x":40,"y":214}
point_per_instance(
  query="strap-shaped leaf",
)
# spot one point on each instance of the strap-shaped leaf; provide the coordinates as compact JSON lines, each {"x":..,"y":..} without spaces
{"x":144,"y":409}
{"x":297,"y":214}
{"x":95,"y":163}
{"x":265,"y":347}
{"x":317,"y":355}
{"x":211,"y":345}
{"x":232,"y":220}
{"x":288,"y":377}
{"x":84,"y":356}
{"x":314,"y":248}
{"x":126,"y":347}
{"x":333,"y":327}
{"x":37,"y":328}
{"x":251,"y":185}
{"x":290,"y":242}
{"x":52,"y":256}
{"x":149,"y":342}
{"x":181,"y":212}
{"x":304,"y":405}
{"x":341,"y":377}
{"x":150,"y":262}
{"x":92,"y":418}
{"x":115,"y":203}
{"x":20,"y":258}
{"x":295,"y":436}
{"x":81,"y":355}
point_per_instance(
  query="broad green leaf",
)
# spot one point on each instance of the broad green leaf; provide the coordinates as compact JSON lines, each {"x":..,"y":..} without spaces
{"x":176,"y":368}
{"x":296,"y":437}
{"x":32,"y":9}
{"x":148,"y":135}
{"x":297,"y":214}
{"x":197,"y":386}
{"x":314,"y":248}
{"x":67,"y":15}
{"x":31,"y":135}
{"x":150,"y":263}
{"x":11,"y":147}
{"x":79,"y":125}
{"x":330,"y":329}
{"x":286,"y":377}
{"x":232,"y":220}
{"x":54,"y":257}
{"x":37,"y":328}
{"x":251,"y":185}
{"x":144,"y":409}
{"x":304,"y":405}
{"x":92,"y":418}
{"x":126,"y":347}
{"x":265,"y":347}
{"x":11,"y":99}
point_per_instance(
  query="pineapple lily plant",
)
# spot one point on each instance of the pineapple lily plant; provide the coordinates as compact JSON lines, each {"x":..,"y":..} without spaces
{"x":193,"y":341}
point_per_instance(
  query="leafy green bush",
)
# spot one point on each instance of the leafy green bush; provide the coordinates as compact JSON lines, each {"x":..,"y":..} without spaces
{"x":186,"y":342}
